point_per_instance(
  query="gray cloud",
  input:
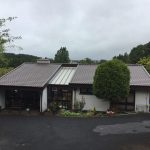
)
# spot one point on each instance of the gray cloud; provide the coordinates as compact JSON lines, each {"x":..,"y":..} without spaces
{"x":98,"y":29}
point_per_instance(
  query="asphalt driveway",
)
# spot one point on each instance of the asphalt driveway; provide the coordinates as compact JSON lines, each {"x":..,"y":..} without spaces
{"x":53,"y":133}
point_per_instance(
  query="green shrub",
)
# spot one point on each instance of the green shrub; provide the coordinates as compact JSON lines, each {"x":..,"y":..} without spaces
{"x":67,"y":113}
{"x":54,"y":107}
{"x":89,"y":114}
{"x":112,"y":81}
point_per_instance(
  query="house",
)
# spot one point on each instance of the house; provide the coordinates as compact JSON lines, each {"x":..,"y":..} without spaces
{"x":36,"y":85}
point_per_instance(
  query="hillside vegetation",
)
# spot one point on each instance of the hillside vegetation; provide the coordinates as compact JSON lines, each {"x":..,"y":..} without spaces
{"x":138,"y":55}
{"x":10,"y":61}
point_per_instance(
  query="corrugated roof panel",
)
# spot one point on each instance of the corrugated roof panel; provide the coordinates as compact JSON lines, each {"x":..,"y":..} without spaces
{"x":139,"y":75}
{"x":85,"y":74}
{"x":61,"y":75}
{"x":64,"y":76}
{"x":57,"y":76}
{"x":29,"y":75}
{"x":70,"y":76}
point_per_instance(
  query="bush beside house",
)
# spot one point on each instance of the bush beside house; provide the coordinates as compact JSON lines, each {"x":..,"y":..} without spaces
{"x":111,"y":81}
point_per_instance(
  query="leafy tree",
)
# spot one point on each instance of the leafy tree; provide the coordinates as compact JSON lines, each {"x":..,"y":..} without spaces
{"x":62,"y":56}
{"x":124,"y":58}
{"x":102,"y":61}
{"x":86,"y":61}
{"x":145,"y":61}
{"x":139,"y":52}
{"x":111,"y":81}
{"x":5,"y":37}
{"x":14,"y":60}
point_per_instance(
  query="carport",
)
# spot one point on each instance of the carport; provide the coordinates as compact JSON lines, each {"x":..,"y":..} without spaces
{"x":19,"y":98}
{"x":26,"y":86}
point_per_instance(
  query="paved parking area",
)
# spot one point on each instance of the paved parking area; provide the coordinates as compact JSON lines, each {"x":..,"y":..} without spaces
{"x":54,"y":133}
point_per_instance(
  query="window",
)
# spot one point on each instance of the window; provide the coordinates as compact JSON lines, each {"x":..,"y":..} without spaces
{"x":87,"y":91}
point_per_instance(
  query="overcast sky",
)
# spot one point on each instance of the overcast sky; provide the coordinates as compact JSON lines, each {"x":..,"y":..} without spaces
{"x":98,"y":29}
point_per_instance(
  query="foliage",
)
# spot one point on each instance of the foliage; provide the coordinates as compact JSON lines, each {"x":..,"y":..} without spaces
{"x":5,"y":37}
{"x":111,"y":81}
{"x":14,"y":60}
{"x":86,"y":61}
{"x":54,"y":107}
{"x":62,"y":56}
{"x":124,"y":58}
{"x":137,"y":53}
{"x":4,"y":71}
{"x":102,"y":61}
{"x":67,"y":113}
{"x":3,"y":61}
{"x":94,"y":111}
{"x":79,"y":104}
{"x":145,"y":61}
{"x":90,"y":114}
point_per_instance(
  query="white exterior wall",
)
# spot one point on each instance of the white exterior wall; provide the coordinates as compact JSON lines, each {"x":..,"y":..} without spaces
{"x":141,"y":101}
{"x":91,"y":101}
{"x":2,"y":99}
{"x":44,"y":100}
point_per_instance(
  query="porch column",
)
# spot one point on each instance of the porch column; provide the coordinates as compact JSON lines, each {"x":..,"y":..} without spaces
{"x":73,"y":98}
{"x":2,"y":98}
{"x":43,"y":100}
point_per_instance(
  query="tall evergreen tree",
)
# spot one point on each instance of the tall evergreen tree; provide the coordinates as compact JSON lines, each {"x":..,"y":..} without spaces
{"x":62,"y":56}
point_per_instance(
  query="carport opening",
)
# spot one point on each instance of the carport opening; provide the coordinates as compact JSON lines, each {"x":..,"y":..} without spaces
{"x":22,"y":99}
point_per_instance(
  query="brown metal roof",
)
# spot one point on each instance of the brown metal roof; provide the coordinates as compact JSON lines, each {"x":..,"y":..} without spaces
{"x":85,"y":74}
{"x":139,"y":75}
{"x":38,"y":75}
{"x":29,"y":75}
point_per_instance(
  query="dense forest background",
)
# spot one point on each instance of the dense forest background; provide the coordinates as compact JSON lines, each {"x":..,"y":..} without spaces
{"x":138,"y":55}
{"x":10,"y":61}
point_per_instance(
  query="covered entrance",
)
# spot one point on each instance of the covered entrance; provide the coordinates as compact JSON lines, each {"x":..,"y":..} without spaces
{"x":22,"y":99}
{"x":62,"y":95}
{"x":59,"y":89}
